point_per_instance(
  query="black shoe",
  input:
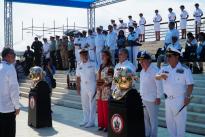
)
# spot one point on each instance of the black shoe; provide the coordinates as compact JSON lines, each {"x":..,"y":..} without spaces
{"x":100,"y":128}
{"x":105,"y":130}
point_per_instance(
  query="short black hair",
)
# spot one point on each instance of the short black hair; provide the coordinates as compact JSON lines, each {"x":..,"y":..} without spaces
{"x":7,"y":51}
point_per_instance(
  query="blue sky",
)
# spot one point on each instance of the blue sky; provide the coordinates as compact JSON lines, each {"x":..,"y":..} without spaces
{"x":46,"y":14}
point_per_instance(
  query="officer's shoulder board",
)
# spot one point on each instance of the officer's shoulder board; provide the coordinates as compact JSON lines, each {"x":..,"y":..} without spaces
{"x":185,"y":66}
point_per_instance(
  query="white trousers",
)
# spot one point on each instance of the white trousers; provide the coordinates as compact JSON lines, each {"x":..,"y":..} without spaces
{"x":133,"y":51}
{"x":176,"y":124}
{"x":150,"y":118}
{"x":89,"y":106}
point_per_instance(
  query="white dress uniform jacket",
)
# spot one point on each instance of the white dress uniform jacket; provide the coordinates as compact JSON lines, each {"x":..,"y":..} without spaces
{"x":130,"y":22}
{"x":175,"y":87}
{"x":133,"y":51}
{"x":91,"y":43}
{"x":170,"y":34}
{"x":197,"y":14}
{"x":87,"y":74}
{"x":46,"y":50}
{"x":171,"y":17}
{"x":77,"y":42}
{"x":9,"y":94}
{"x":183,"y":19}
{"x":99,"y":43}
{"x":157,"y":19}
{"x":142,"y":23}
{"x":150,"y":88}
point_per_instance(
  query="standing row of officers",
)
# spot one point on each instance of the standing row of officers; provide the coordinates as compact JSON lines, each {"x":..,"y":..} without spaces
{"x":198,"y":13}
{"x":173,"y":81}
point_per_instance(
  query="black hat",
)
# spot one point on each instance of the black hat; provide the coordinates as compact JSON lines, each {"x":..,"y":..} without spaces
{"x":143,"y":55}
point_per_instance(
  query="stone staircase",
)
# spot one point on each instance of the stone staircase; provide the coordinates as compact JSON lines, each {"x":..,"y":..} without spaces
{"x":69,"y":98}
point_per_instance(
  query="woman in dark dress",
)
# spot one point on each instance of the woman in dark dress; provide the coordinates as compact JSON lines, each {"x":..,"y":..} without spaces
{"x":39,"y":100}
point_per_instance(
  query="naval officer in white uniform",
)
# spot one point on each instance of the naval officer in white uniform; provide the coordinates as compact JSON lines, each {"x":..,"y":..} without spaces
{"x":157,"y":19}
{"x":183,"y":21}
{"x":198,"y":13}
{"x":150,"y":91}
{"x":86,"y":87}
{"x":177,"y":83}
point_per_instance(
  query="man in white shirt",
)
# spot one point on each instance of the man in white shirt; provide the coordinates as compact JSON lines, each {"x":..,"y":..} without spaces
{"x":133,"y":39}
{"x":183,"y":21}
{"x":171,"y":15}
{"x":123,"y":55}
{"x":130,"y":22}
{"x":100,"y":44}
{"x":198,"y":13}
{"x":46,"y":49}
{"x":9,"y":95}
{"x":177,"y":84}
{"x":86,"y":87}
{"x":123,"y":60}
{"x":137,"y":29}
{"x":111,"y":42}
{"x":168,"y":40}
{"x":157,"y":19}
{"x":151,"y":92}
{"x":91,"y":45}
{"x":122,"y":25}
{"x":142,"y":23}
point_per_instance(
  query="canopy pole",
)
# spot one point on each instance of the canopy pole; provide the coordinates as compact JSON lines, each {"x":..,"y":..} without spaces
{"x":91,"y":18}
{"x":8,"y":24}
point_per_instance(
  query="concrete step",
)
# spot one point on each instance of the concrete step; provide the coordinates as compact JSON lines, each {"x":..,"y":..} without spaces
{"x":192,"y":107}
{"x":191,"y":116}
{"x":60,"y":101}
{"x":196,"y":128}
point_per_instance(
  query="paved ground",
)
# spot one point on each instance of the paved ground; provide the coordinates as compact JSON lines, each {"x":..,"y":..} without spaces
{"x":65,"y":124}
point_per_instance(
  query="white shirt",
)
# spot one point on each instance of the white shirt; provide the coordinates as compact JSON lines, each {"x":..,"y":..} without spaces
{"x":9,"y":93}
{"x":111,"y":40}
{"x":99,"y":42}
{"x":184,"y":14}
{"x":130,"y":22}
{"x":142,"y":21}
{"x":157,"y":18}
{"x":126,"y":63}
{"x":132,"y":36}
{"x":178,"y":80}
{"x":137,"y":30}
{"x":122,"y":26}
{"x":176,"y":45}
{"x":150,"y":88}
{"x":46,"y":50}
{"x":171,"y":17}
{"x":83,"y":42}
{"x":87,"y":73}
{"x":197,"y":14}
{"x":170,"y":34}
{"x":91,"y":41}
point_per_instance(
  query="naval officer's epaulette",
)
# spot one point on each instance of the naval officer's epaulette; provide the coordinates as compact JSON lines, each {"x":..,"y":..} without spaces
{"x":185,"y":66}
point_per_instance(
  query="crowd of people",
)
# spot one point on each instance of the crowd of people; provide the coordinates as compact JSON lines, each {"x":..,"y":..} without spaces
{"x":97,"y":58}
